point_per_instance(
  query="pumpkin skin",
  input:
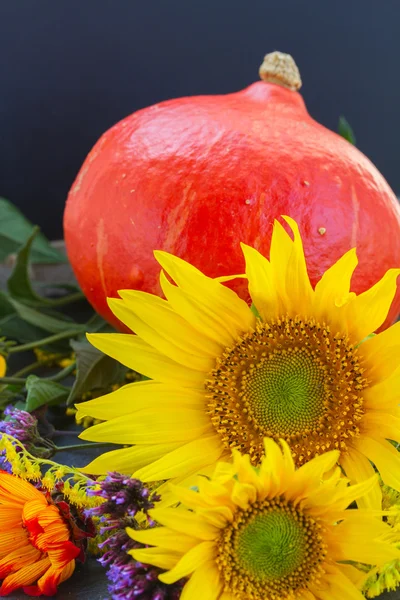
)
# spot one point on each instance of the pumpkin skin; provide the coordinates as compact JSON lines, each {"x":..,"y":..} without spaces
{"x":196,"y":176}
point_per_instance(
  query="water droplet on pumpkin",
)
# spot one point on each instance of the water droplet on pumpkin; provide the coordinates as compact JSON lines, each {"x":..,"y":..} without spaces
{"x":322,"y":230}
{"x":306,"y":183}
{"x":247,"y":201}
{"x":131,"y":191}
{"x":123,"y":175}
{"x":136,"y":276}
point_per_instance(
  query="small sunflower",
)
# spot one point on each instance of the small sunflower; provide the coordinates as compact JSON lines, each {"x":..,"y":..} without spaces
{"x":271,"y":533}
{"x":303,"y":367}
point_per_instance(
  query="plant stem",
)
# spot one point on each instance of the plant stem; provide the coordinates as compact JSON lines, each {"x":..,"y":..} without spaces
{"x":62,"y":374}
{"x":82,"y":446}
{"x":48,"y":340}
{"x":75,"y":297}
{"x":8,"y":380}
{"x":57,"y":377}
{"x":28,"y":369}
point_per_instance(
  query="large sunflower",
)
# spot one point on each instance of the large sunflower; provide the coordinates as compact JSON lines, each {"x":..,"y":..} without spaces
{"x":271,"y":533}
{"x":304,"y":369}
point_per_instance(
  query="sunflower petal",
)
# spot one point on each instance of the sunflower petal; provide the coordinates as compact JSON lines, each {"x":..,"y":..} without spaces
{"x":163,"y":537}
{"x":385,"y":457}
{"x":128,"y":460}
{"x":205,"y":583}
{"x":213,"y":295}
{"x":202,"y":318}
{"x":164,"y":559}
{"x":185,"y":460}
{"x":192,"y":560}
{"x":155,"y":311}
{"x":358,"y":468}
{"x":139,"y":356}
{"x":368,"y":311}
{"x":261,"y":283}
{"x":382,"y":351}
{"x":333,"y":289}
{"x":138,"y":396}
{"x":159,"y":336}
{"x":148,"y":425}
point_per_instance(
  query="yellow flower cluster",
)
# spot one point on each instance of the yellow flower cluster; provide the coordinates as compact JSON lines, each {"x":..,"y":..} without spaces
{"x":28,"y":467}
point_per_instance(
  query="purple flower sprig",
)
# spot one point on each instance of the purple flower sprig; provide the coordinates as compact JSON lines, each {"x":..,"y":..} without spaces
{"x":129,"y":579}
{"x":124,"y":497}
{"x":23,"y":426}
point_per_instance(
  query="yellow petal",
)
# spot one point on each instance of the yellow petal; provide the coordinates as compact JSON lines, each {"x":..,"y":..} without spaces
{"x":358,"y":468}
{"x":192,"y":560}
{"x":164,"y":559}
{"x":149,"y":425}
{"x":368,"y":311}
{"x":205,"y":583}
{"x":183,"y":461}
{"x":297,"y":279}
{"x":261,"y":283}
{"x":128,"y":460}
{"x":357,"y":540}
{"x":311,"y":473}
{"x":381,"y":424}
{"x":138,"y":396}
{"x":243,"y":494}
{"x":201,"y":318}
{"x":333,"y":289}
{"x":214,"y":296}
{"x":151,"y":309}
{"x":339,"y":587}
{"x":184,"y":521}
{"x":325,"y":500}
{"x":384,"y":396}
{"x":280,"y":258}
{"x":161,"y":337}
{"x":163,"y":537}
{"x":136,"y":354}
{"x":381,"y":351}
{"x":356,"y":577}
{"x":384,"y":456}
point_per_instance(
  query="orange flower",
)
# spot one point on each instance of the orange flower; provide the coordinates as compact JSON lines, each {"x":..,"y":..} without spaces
{"x":36,"y":551}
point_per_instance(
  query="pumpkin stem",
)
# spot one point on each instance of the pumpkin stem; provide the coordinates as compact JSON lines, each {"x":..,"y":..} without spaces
{"x":281,"y":69}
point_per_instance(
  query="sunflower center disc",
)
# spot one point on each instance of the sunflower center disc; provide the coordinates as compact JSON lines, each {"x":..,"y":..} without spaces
{"x":290,"y":379}
{"x":286,"y":390}
{"x":270,"y":550}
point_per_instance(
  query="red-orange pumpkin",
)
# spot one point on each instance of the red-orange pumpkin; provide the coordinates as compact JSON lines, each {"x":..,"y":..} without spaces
{"x":195,"y":176}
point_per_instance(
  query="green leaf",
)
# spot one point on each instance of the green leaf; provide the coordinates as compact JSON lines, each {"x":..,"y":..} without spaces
{"x":97,"y":324}
{"x":346,"y":131}
{"x":15,"y":328}
{"x":15,"y":229}
{"x":41,"y":391}
{"x":94,"y":371}
{"x":6,"y":308}
{"x":255,"y":311}
{"x":41,"y":319}
{"x":7,"y":396}
{"x":19,"y":283}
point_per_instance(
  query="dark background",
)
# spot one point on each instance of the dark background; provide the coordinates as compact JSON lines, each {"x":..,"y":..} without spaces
{"x":69,"y":69}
